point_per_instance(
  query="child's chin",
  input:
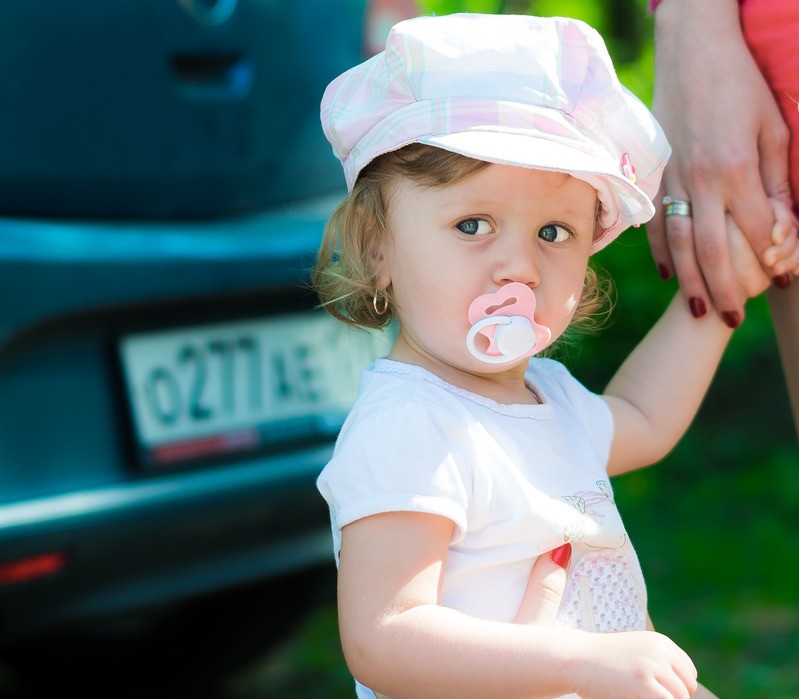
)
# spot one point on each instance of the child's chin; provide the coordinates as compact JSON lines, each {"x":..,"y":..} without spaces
{"x":481,"y":367}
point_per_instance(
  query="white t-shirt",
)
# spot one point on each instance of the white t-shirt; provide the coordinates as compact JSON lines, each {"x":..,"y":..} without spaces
{"x":516,"y":480}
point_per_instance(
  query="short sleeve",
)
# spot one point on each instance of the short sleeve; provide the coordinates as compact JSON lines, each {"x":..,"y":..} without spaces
{"x":398,"y":458}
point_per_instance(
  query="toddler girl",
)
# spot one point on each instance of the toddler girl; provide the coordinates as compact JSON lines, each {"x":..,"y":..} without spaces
{"x":487,"y":158}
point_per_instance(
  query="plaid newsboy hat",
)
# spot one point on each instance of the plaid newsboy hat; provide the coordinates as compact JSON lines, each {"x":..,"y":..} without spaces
{"x":517,"y":90}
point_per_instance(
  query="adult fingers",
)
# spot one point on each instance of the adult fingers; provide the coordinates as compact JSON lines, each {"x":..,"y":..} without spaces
{"x":748,"y":200}
{"x":682,"y":247}
{"x":545,"y":588}
{"x":658,"y":244}
{"x":774,"y":172}
{"x":713,"y":258}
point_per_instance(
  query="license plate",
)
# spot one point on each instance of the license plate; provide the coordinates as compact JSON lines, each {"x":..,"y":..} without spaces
{"x":209,"y":390}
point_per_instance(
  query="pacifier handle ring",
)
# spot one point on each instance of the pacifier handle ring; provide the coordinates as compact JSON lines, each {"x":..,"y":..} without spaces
{"x":477,"y":327}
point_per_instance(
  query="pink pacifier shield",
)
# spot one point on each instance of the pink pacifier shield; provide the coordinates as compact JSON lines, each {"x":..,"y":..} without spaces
{"x":506,"y":319}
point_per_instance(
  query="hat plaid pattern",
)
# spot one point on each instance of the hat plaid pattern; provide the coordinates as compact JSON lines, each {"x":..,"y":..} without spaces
{"x":518,"y":90}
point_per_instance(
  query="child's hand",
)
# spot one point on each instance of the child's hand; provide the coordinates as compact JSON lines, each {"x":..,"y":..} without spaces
{"x":782,"y":257}
{"x":630,"y":665}
{"x":634,"y":665}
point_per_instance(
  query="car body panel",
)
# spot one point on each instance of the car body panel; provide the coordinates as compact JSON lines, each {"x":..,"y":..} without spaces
{"x":162,"y":167}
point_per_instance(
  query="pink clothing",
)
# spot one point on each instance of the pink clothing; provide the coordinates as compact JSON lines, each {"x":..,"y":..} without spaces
{"x":771,"y":29}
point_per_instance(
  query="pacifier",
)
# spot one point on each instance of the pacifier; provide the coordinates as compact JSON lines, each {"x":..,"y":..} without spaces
{"x":506,"y":319}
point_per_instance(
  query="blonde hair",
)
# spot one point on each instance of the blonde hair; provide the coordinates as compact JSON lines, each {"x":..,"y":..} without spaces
{"x":345,"y":275}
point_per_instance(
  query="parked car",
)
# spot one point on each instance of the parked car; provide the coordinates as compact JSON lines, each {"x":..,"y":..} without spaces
{"x":169,"y":390}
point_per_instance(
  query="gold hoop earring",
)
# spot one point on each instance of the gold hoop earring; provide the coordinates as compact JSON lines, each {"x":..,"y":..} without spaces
{"x":380,"y":296}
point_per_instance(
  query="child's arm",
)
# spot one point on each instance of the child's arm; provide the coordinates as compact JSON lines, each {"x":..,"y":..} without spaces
{"x":399,"y":640}
{"x":658,"y":389}
{"x":656,"y":393}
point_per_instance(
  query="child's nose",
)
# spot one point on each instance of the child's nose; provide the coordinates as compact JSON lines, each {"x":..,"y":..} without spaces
{"x":518,"y":262}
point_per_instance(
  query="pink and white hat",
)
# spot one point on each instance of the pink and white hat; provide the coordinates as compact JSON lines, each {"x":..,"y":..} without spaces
{"x":517,"y":90}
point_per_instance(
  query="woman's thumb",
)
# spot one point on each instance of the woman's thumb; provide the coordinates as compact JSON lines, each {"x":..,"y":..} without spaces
{"x":545,"y":588}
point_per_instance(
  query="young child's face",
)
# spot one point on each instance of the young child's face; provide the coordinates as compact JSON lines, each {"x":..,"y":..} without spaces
{"x":448,"y":245}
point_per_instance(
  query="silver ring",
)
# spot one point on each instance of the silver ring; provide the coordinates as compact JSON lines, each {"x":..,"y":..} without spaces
{"x":676,"y":207}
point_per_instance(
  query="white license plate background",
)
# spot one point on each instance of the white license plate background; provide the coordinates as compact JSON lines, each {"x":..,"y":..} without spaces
{"x":209,"y":380}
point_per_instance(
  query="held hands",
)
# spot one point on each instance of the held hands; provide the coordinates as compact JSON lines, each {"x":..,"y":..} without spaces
{"x":780,"y":258}
{"x":730,"y":158}
{"x":628,"y":665}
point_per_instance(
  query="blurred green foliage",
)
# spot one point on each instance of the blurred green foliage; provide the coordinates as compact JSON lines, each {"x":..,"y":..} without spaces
{"x":712,"y":523}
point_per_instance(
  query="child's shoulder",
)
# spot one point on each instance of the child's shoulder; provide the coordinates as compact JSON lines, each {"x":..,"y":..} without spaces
{"x":403,"y":415}
{"x":551,"y":375}
{"x":556,"y":382}
{"x":546,"y":366}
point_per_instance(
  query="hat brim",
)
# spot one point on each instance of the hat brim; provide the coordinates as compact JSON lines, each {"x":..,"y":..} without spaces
{"x":624,"y":203}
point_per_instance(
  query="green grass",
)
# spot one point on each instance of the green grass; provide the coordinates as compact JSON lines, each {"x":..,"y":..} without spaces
{"x":308,"y":666}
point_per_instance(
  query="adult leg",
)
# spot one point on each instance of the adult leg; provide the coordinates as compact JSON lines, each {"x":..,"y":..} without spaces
{"x":784,"y":306}
{"x":771,"y":28}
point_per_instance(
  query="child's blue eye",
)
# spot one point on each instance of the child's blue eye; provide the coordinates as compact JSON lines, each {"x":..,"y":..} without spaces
{"x":474,"y":226}
{"x":554,"y":234}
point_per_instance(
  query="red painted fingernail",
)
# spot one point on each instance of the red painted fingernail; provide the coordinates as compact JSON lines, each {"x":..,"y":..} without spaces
{"x":663,"y":271}
{"x":697,"y":306}
{"x":562,"y":555}
{"x":731,"y":319}
{"x":782,"y":281}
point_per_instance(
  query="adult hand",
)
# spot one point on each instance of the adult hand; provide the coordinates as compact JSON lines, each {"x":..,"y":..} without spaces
{"x":729,"y":146}
{"x":545,"y":588}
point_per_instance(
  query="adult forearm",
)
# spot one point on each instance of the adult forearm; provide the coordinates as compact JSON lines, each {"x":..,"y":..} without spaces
{"x":669,"y":14}
{"x":703,"y":693}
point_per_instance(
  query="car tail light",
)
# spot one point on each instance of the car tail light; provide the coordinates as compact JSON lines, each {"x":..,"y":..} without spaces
{"x":22,"y":570}
{"x":381,"y":15}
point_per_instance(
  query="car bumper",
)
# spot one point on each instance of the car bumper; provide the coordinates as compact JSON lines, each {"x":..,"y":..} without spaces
{"x":146,"y":543}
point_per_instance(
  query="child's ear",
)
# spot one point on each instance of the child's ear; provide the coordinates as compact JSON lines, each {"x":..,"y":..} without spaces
{"x":379,"y":263}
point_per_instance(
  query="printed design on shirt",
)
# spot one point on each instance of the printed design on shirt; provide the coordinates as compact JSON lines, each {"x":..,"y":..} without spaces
{"x":602,"y":596}
{"x":575,"y":501}
{"x":604,"y":592}
{"x":604,"y":487}
{"x":598,"y":524}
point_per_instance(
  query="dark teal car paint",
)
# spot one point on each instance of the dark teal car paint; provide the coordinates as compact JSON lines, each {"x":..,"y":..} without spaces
{"x":161,"y":166}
